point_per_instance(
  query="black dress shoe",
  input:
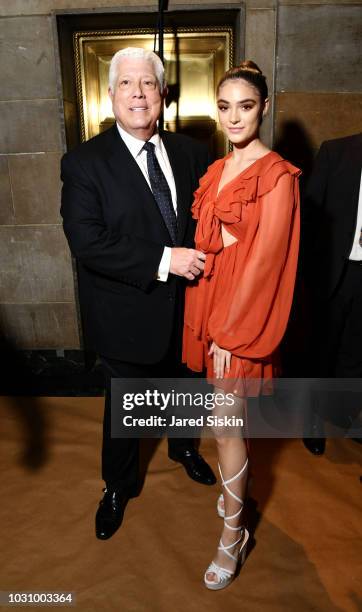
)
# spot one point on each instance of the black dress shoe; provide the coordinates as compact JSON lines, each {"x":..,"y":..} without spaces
{"x":195,"y":466}
{"x":316,"y":446}
{"x":109,"y":515}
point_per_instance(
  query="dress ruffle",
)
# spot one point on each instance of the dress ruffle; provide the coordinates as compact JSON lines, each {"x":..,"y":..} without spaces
{"x":211,"y":210}
{"x":271,"y":174}
{"x":255,"y":181}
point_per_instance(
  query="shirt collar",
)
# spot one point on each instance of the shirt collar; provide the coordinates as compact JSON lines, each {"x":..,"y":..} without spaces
{"x":135,"y":145}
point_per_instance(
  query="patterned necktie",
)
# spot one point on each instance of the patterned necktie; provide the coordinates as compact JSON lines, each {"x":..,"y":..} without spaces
{"x":161,"y":191}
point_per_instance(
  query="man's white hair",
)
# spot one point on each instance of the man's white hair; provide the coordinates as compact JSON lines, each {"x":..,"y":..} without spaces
{"x":137,"y":53}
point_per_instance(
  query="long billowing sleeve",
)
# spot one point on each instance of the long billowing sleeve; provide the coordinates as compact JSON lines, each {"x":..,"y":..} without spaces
{"x":261,"y":291}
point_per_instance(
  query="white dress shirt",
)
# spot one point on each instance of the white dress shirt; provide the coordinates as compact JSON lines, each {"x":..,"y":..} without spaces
{"x":356,"y":252}
{"x":135,"y":147}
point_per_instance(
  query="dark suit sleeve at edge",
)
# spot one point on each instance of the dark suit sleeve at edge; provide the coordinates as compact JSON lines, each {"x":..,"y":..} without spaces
{"x":317,"y":183}
{"x":123,"y":257}
{"x":312,"y":207}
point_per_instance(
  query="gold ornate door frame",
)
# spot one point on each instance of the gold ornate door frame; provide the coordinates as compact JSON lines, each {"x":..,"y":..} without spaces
{"x":195,"y":59}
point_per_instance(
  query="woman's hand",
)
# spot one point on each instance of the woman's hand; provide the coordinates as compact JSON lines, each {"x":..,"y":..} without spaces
{"x":222,"y":360}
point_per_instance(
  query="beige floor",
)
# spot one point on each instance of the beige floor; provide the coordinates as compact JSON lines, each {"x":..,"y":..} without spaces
{"x":307,"y":510}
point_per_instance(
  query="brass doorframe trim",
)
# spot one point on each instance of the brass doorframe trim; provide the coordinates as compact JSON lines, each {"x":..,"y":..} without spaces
{"x":82,"y":36}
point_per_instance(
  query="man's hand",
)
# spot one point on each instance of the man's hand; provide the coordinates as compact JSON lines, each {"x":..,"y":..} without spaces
{"x":222,"y":360}
{"x":187,"y":262}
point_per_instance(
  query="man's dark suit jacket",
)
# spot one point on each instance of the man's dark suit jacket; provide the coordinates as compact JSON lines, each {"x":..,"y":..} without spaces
{"x":331,"y":203}
{"x":117,"y":234}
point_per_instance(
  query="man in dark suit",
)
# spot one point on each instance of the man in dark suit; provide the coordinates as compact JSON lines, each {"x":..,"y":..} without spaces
{"x":126,"y":209}
{"x":333,"y":205}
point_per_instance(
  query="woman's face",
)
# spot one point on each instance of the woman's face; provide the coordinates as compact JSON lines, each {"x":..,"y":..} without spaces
{"x":240,"y":110}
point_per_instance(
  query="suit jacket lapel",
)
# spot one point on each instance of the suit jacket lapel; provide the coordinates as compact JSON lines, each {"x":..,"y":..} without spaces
{"x":351,"y":179}
{"x":120,"y":159}
{"x":182,"y":182}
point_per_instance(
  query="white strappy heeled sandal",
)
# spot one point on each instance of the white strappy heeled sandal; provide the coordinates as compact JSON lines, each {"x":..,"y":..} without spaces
{"x":224,"y":575}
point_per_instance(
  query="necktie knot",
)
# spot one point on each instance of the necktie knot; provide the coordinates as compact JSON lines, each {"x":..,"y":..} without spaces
{"x":149,"y":147}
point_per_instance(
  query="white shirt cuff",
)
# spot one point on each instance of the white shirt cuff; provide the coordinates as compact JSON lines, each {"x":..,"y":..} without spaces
{"x":164,"y":267}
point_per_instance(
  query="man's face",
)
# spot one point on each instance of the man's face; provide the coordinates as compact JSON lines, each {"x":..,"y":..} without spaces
{"x":136,"y":100}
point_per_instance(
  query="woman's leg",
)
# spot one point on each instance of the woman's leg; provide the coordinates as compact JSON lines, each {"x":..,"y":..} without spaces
{"x":233,"y":465}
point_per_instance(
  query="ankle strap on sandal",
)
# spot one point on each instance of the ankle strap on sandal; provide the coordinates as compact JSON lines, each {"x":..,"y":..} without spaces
{"x":225,"y":549}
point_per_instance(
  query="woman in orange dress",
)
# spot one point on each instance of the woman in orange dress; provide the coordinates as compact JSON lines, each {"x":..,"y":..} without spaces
{"x":247,"y":211}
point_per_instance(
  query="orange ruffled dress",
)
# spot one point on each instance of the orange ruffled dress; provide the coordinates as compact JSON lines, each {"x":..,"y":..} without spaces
{"x":243,"y":300}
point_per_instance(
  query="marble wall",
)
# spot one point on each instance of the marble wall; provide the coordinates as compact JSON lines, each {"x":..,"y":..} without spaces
{"x":310,"y":51}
